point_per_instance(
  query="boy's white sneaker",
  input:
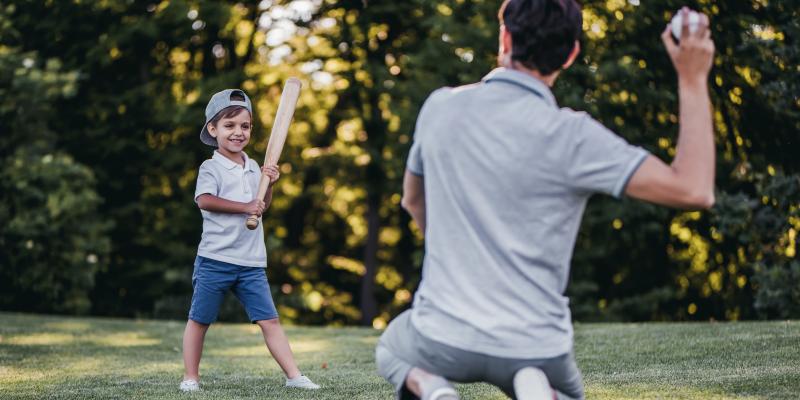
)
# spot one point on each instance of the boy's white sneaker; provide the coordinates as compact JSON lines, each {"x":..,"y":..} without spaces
{"x":189,"y":385}
{"x":301,"y":382}
{"x":531,"y":383}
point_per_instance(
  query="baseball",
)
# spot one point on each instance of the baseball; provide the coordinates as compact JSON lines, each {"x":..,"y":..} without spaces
{"x":677,"y":21}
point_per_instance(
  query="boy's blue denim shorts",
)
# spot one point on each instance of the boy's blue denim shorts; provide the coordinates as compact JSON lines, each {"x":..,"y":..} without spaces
{"x":211,"y":279}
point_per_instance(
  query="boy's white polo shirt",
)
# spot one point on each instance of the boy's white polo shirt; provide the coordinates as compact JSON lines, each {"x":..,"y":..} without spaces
{"x":225,"y":236}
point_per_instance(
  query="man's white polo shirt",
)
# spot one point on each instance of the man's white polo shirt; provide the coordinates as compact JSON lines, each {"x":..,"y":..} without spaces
{"x":225,"y":236}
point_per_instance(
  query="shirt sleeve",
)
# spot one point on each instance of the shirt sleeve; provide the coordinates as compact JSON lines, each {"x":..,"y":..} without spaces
{"x":601,"y":161}
{"x":206,"y":182}
{"x":414,"y":163}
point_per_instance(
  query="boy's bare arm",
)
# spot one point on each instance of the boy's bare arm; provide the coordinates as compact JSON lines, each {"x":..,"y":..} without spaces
{"x":274,"y":174}
{"x":209,"y":202}
{"x":268,"y":198}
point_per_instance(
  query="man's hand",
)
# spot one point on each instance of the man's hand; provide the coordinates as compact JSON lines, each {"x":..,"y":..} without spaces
{"x":272,"y":172}
{"x":255,"y":207}
{"x":692,"y":58}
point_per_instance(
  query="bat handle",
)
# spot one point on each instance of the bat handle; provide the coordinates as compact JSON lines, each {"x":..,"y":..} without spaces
{"x":263,"y":185}
{"x":252,"y":222}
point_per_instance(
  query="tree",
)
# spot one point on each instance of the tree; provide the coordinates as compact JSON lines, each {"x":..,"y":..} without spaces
{"x":52,"y":240}
{"x":120,"y":88}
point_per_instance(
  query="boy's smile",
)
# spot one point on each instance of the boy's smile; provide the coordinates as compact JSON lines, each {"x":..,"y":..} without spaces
{"x":232,"y":134}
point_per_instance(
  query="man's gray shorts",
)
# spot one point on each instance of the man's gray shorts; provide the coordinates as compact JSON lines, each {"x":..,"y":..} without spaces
{"x":402,"y":347}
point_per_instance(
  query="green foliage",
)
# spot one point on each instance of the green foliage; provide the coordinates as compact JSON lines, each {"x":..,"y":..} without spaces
{"x":650,"y":263}
{"x":778,"y":293}
{"x":113,"y":93}
{"x":758,"y":235}
{"x":53,"y":240}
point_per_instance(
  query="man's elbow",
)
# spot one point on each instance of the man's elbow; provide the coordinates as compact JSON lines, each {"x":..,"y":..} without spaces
{"x":709,"y":201}
{"x":408,"y":204}
{"x":702,"y":200}
{"x":405,"y":203}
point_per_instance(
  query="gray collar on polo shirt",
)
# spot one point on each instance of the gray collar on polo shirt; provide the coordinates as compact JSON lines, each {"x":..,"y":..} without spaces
{"x":523,"y":81}
{"x":229,"y":164}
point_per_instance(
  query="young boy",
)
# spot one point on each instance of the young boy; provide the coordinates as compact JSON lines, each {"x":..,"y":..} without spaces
{"x":229,"y":255}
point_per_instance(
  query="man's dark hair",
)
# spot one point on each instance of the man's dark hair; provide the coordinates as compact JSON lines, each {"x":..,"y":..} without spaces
{"x":543,"y":32}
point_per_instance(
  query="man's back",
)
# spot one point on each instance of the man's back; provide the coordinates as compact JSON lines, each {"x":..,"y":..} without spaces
{"x":507,"y":175}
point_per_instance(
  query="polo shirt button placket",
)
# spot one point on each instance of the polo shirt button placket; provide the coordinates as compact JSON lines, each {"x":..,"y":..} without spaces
{"x":245,"y":186}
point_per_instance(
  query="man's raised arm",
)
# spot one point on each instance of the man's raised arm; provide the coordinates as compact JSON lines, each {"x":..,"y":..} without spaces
{"x":689,"y":181}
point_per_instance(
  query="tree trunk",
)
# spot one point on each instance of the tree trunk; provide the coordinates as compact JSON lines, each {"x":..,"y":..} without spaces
{"x":369,"y":307}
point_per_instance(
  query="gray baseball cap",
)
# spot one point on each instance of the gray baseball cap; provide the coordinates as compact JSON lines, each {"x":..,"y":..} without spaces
{"x":219,"y":101}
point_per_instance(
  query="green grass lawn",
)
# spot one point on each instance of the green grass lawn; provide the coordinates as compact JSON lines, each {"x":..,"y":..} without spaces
{"x":61,"y":357}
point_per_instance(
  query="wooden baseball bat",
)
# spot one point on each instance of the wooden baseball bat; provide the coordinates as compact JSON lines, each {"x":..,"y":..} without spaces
{"x":280,"y":127}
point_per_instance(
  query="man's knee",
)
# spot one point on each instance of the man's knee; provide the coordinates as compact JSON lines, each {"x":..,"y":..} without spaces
{"x":383,"y":360}
{"x":392,"y":368}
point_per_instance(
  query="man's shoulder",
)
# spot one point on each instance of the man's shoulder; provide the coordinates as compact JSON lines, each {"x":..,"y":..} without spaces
{"x":571,"y":115}
{"x":438,"y":95}
{"x":579,"y":122}
{"x":446,"y":92}
{"x":446,"y":96}
{"x":578,"y":127}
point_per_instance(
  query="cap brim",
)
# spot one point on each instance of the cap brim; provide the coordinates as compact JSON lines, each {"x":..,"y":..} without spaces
{"x":206,"y":137}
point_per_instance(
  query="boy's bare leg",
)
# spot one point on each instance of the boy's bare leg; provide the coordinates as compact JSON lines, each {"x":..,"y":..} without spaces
{"x":278,"y":346}
{"x":193,"y":338}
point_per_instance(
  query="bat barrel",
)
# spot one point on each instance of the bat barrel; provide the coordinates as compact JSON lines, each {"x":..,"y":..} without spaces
{"x":277,"y":137}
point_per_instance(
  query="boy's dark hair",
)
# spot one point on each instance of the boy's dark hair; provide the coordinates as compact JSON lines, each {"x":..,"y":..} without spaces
{"x":229,"y":112}
{"x":543,"y":32}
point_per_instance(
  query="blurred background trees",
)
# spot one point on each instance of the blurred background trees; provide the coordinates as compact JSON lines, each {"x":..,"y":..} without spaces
{"x":101,"y":104}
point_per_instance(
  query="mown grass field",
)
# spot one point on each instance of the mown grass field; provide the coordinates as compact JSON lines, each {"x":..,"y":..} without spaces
{"x":93,"y":358}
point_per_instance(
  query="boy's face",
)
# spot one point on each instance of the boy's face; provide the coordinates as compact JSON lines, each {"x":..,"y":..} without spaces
{"x":232,"y":133}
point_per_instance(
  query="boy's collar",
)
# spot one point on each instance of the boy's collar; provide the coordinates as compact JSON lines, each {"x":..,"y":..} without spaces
{"x":229,"y":164}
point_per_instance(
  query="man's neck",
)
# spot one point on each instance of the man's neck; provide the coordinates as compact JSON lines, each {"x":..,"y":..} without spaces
{"x":548,"y":80}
